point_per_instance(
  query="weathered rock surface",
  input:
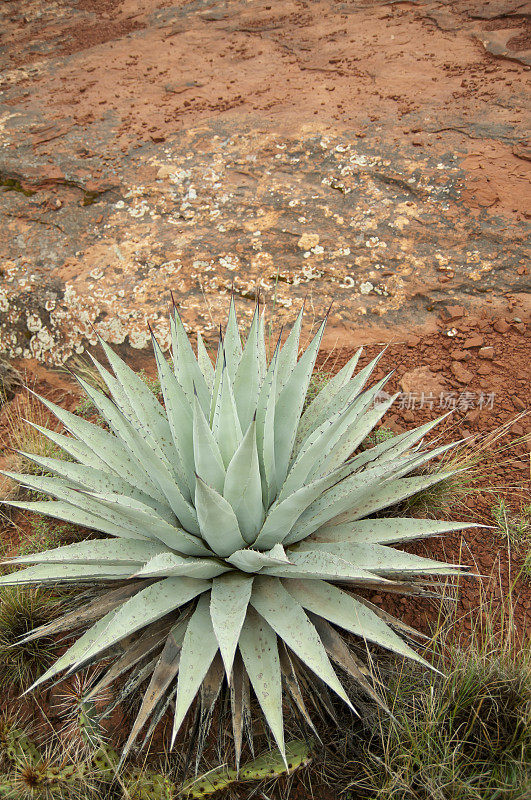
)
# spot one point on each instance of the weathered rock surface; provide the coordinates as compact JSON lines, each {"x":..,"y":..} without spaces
{"x":370,"y":156}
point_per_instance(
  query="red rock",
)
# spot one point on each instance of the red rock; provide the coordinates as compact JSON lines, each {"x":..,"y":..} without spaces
{"x":501,"y":326}
{"x":519,"y":326}
{"x":519,"y":404}
{"x":459,"y":355}
{"x":486,"y":352}
{"x":484,"y":369}
{"x":463,"y":375}
{"x":473,"y":341}
{"x":454,"y":312}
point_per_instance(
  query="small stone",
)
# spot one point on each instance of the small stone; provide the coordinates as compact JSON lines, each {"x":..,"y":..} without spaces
{"x":165,"y":171}
{"x":473,"y":341}
{"x":501,"y":326}
{"x":486,"y":352}
{"x":518,"y":429}
{"x":463,"y":375}
{"x":308,"y":240}
{"x":519,"y":404}
{"x":484,"y":369}
{"x":473,"y":415}
{"x":454,"y":312}
{"x":519,"y":326}
{"x":460,"y":355}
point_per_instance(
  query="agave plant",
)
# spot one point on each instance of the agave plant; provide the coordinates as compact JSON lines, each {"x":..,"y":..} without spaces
{"x":231,"y":514}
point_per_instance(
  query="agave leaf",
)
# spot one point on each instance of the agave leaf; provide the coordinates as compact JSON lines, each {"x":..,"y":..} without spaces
{"x":288,"y":620}
{"x":292,"y":684}
{"x":232,"y":342}
{"x":147,"y":606}
{"x":165,"y":671}
{"x":86,"y":613}
{"x":187,"y":370}
{"x":288,"y":354}
{"x":179,"y":411}
{"x":218,"y":370}
{"x":155,"y":439}
{"x":262,"y":355}
{"x":327,"y":446}
{"x":117,"y":392}
{"x":341,"y":609}
{"x":105,"y":446}
{"x":210,"y":689}
{"x":170,"y":564}
{"x":247,"y":378}
{"x":76,"y":653}
{"x":99,"y":480}
{"x":243,"y":486}
{"x":205,"y":364}
{"x":70,"y":513}
{"x":226,"y":425}
{"x":321,"y":402}
{"x":144,"y":452}
{"x":198,"y":650}
{"x":340,"y":653}
{"x":142,"y":401}
{"x":323,"y":565}
{"x":258,"y":647}
{"x":240,"y":704}
{"x":282,"y":517}
{"x":374,"y":557}
{"x":389,"y":530}
{"x":390,"y":494}
{"x":228,"y":606}
{"x":356,"y":432}
{"x":290,"y":402}
{"x":341,"y":398}
{"x":342,"y":497}
{"x":142,"y":518}
{"x":75,"y":448}
{"x":217,"y":521}
{"x":250,"y":560}
{"x":146,"y":643}
{"x":208,"y":462}
{"x":95,"y":551}
{"x":396,"y":445}
{"x":59,"y":573}
{"x":265,"y":432}
{"x":60,"y":489}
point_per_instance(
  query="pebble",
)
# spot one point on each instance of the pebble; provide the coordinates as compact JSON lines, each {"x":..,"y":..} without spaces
{"x":484,"y":369}
{"x":486,"y":352}
{"x":473,"y":341}
{"x":501,"y":326}
{"x":454,"y":312}
{"x":463,"y":375}
{"x":460,"y":355}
